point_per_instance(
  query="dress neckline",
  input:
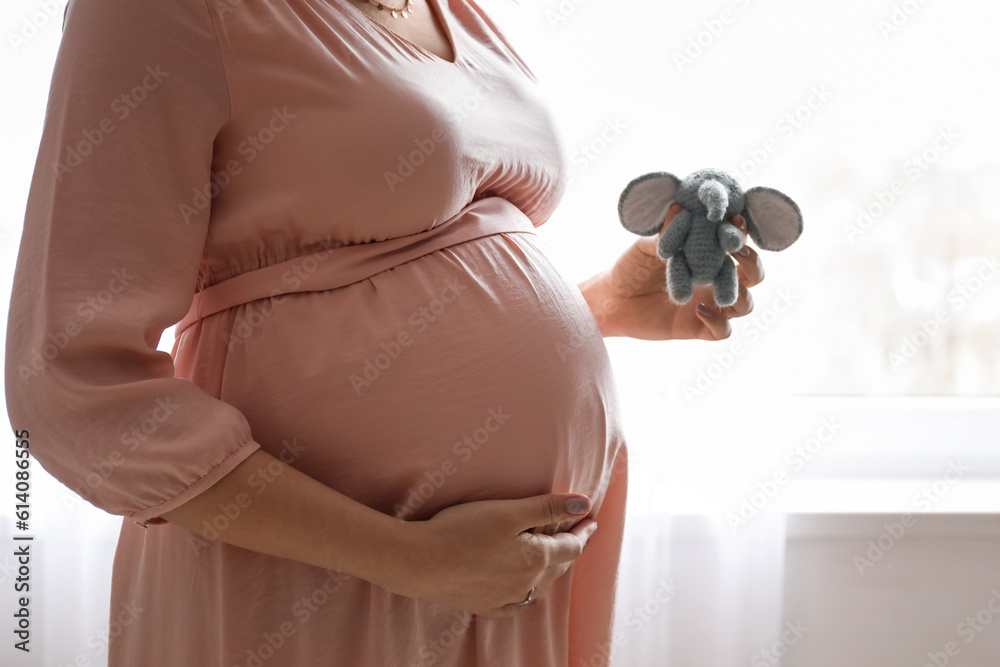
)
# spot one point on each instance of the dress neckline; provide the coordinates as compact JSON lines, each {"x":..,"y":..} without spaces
{"x":442,"y":20}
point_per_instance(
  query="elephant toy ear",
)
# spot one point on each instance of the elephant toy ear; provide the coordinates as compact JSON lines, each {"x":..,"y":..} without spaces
{"x":774,"y":221}
{"x":642,"y":207}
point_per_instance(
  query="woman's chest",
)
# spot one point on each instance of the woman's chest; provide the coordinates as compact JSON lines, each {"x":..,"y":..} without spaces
{"x":338,"y":133}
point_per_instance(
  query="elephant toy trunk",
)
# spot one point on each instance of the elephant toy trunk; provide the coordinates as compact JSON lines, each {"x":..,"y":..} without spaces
{"x":715,"y":197}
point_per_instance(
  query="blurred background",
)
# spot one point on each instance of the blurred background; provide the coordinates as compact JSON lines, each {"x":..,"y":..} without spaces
{"x":821,"y":487}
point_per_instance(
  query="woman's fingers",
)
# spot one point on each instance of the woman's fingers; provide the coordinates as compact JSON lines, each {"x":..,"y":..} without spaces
{"x":717,"y":323}
{"x":744,"y":304}
{"x":567,"y":547}
{"x":749,"y":268}
{"x":584,"y":529}
{"x":560,"y":550}
{"x":549,"y":575}
{"x":562,"y":547}
{"x":551,"y":508}
{"x":478,"y":556}
{"x":556,"y":553}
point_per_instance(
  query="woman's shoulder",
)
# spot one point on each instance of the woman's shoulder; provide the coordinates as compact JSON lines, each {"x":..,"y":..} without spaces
{"x":138,"y":10}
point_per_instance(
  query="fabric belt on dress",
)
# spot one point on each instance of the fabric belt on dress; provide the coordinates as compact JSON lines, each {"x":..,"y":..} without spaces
{"x":336,"y":267}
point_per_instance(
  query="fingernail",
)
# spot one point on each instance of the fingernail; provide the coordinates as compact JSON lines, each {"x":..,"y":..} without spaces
{"x":704,"y":310}
{"x":744,"y":251}
{"x":743,"y":223}
{"x":577,"y":506}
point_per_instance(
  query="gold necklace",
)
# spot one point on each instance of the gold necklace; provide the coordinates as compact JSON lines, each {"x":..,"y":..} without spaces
{"x":405,"y":11}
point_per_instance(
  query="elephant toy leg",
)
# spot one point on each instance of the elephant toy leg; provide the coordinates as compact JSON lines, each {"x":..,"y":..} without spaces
{"x":726,"y":287}
{"x":679,"y":279}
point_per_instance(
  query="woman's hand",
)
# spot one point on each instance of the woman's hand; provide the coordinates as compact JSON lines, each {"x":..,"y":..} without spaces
{"x":630,"y":298}
{"x":481,"y":557}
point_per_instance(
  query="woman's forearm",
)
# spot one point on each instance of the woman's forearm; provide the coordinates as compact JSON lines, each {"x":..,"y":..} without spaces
{"x":297,"y":517}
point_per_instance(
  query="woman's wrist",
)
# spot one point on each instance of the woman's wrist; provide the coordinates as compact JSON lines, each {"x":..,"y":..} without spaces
{"x":597,"y":294}
{"x":412,"y":552}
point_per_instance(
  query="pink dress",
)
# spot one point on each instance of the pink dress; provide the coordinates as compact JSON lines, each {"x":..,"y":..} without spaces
{"x":375,"y":307}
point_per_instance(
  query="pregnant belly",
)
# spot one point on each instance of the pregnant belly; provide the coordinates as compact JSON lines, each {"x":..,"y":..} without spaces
{"x":475,"y":372}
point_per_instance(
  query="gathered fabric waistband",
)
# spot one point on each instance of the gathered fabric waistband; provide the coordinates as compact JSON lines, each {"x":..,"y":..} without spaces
{"x":336,"y":267}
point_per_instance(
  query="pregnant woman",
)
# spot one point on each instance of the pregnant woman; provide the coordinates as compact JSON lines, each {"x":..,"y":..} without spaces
{"x":388,"y":425}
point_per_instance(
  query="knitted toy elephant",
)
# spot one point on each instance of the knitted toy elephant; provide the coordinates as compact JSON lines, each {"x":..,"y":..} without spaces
{"x":697,"y":240}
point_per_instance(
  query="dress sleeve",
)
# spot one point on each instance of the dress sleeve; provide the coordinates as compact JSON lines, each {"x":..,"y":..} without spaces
{"x":109,"y":258}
